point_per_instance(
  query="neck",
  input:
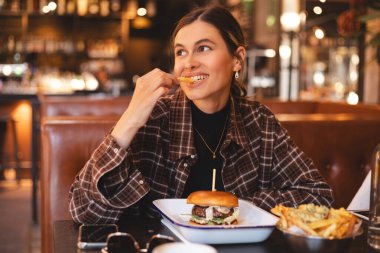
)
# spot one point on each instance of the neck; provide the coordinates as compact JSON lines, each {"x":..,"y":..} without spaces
{"x":211,"y":106}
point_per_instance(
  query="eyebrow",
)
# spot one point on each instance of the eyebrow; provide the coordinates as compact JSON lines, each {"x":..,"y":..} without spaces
{"x":196,"y":43}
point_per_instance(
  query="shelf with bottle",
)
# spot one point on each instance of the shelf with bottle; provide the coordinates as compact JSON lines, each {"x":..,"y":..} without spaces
{"x":83,"y":8}
{"x":90,"y":48}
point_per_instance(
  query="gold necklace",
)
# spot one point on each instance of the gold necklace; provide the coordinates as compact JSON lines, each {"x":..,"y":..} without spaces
{"x":220,"y":139}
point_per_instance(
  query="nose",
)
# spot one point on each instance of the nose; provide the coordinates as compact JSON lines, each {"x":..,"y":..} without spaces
{"x":191,"y":62}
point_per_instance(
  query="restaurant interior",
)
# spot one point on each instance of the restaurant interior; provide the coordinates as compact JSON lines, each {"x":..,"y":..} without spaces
{"x":68,"y":69}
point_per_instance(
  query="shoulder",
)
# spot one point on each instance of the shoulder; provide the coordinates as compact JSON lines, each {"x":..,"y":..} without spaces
{"x":252,"y":110}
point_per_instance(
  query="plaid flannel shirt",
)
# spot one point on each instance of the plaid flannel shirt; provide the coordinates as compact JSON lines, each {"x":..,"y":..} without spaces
{"x":261,"y":164}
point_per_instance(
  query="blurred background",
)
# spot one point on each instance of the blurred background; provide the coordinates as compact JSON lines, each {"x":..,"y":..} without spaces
{"x":298,"y":49}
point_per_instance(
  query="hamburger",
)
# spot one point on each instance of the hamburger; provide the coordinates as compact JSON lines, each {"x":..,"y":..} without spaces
{"x":213,"y":208}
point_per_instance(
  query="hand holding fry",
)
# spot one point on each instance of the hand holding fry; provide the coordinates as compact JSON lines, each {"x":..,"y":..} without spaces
{"x":149,"y":88}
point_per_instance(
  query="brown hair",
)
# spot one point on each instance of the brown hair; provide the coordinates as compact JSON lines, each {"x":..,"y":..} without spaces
{"x":228,"y":28}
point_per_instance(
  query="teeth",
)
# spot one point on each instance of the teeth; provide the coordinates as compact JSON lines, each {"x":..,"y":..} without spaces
{"x":198,"y":78}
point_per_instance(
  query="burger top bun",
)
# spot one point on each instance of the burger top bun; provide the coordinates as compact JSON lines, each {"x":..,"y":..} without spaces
{"x":212,"y":198}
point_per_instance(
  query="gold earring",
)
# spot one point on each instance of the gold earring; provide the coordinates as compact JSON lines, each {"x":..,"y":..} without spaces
{"x":237,"y":75}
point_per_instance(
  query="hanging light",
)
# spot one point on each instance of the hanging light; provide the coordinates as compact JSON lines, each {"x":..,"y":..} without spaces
{"x":290,"y":22}
{"x":290,"y":18}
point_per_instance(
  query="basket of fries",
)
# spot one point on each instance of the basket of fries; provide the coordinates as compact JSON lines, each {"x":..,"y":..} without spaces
{"x":312,"y":228}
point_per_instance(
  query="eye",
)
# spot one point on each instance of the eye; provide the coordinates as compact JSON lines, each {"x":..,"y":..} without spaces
{"x":180,"y":52}
{"x":204,"y":48}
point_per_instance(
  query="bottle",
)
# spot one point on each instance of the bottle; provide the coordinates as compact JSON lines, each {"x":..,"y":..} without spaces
{"x":70,"y":7}
{"x":15,"y":6}
{"x":115,"y":5}
{"x":104,"y":8}
{"x":42,"y":4}
{"x":82,"y":7}
{"x":61,"y":9}
{"x":93,"y":7}
{"x":374,"y":208}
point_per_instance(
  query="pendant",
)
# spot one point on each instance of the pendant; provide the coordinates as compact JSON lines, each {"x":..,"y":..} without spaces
{"x":213,"y":156}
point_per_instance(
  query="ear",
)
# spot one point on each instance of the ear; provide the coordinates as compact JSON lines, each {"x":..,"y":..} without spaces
{"x":239,"y":58}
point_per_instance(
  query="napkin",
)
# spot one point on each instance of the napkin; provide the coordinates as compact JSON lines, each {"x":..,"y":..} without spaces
{"x":360,"y":202}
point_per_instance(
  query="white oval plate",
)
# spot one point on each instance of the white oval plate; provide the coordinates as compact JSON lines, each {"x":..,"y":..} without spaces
{"x":254,"y":223}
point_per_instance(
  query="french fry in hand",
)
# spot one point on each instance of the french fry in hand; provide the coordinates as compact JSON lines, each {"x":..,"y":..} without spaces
{"x":183,"y":79}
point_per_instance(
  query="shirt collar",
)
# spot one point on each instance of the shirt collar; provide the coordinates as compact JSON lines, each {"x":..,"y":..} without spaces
{"x":236,"y":131}
{"x":181,"y":130}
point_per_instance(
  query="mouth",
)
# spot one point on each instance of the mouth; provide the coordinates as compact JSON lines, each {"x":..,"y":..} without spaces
{"x":192,"y":79}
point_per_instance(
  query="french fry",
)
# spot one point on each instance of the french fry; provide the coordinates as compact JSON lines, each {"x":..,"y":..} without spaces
{"x":299,"y":223}
{"x":318,"y":220}
{"x":278,"y":210}
{"x":321,"y":223}
{"x":183,"y":79}
{"x":341,"y":231}
{"x":328,"y":231}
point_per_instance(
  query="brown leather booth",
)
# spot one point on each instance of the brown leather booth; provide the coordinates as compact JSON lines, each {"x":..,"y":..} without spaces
{"x":83,"y":105}
{"x":76,"y":125}
{"x":67,"y":143}
{"x":318,"y":107}
{"x":340,"y":145}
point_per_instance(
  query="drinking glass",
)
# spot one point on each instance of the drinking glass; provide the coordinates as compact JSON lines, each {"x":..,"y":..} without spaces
{"x":374,"y":208}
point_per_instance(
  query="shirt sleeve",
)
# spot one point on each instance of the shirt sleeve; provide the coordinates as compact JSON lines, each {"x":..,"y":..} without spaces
{"x":106,"y":185}
{"x":294,"y":178}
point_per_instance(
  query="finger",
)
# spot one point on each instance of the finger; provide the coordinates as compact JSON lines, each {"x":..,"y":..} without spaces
{"x":167,"y":81}
{"x":160,"y":92}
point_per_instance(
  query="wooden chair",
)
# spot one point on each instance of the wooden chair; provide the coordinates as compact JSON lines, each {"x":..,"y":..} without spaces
{"x":5,"y":123}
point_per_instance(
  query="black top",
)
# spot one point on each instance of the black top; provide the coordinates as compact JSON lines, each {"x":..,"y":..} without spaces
{"x":211,"y":127}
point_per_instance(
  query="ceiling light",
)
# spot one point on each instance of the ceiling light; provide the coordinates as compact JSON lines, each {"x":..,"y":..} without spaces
{"x":52,"y":6}
{"x":319,"y":33}
{"x":141,"y":12}
{"x":317,"y":10}
{"x":45,"y":9}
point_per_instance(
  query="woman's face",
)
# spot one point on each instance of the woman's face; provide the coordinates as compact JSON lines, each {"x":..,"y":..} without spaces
{"x":201,"y":53}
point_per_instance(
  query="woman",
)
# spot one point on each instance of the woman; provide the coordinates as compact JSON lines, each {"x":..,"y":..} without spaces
{"x":166,"y":146}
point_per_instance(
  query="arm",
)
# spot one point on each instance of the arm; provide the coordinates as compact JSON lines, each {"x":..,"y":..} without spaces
{"x":106,"y":185}
{"x":149,"y":88}
{"x":294,"y":178}
{"x":110,"y":181}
